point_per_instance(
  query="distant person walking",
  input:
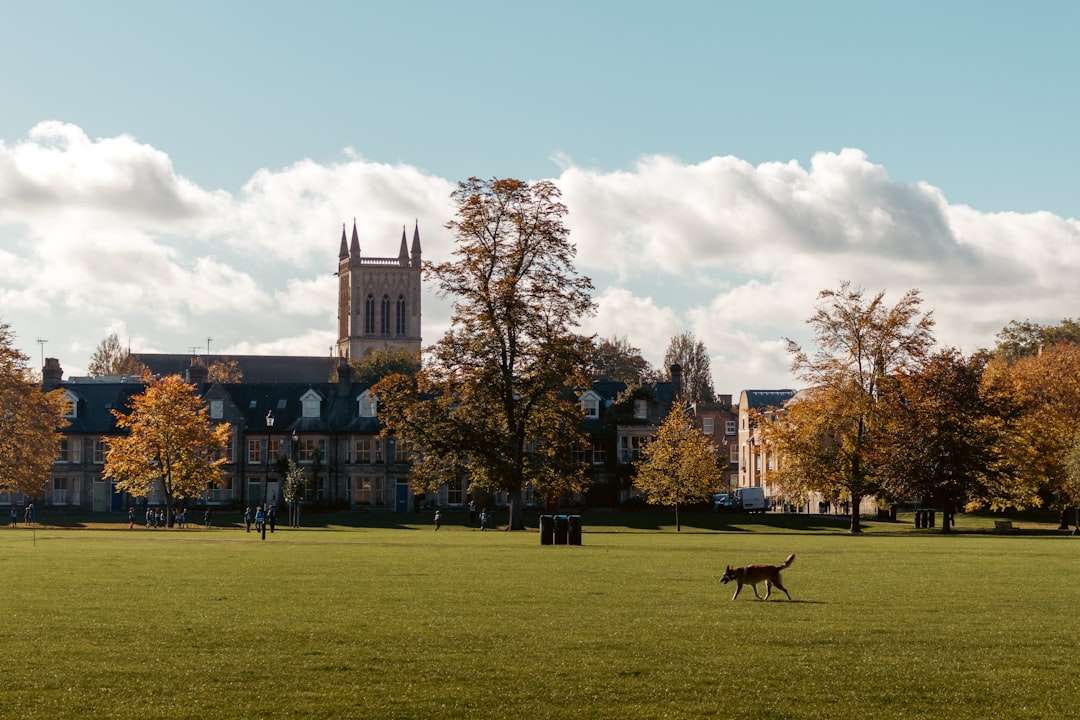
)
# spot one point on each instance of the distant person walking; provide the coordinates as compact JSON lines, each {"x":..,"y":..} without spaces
{"x":14,"y":515}
{"x":472,"y":513}
{"x":28,"y":514}
{"x":247,"y":519}
{"x":206,"y":518}
{"x":271,"y":517}
{"x":483,"y":519}
{"x":438,"y":520}
{"x":131,"y":518}
{"x":260,"y":521}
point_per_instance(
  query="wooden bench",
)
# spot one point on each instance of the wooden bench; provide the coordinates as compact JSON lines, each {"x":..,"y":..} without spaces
{"x":1003,"y":526}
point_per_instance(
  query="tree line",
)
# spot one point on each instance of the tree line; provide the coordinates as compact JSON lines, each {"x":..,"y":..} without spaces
{"x":888,"y":413}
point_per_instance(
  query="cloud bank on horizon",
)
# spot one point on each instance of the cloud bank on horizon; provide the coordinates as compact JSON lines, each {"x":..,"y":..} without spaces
{"x":104,"y":234}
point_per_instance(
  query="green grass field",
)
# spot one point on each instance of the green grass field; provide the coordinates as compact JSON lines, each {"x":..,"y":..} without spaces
{"x":401,"y":622}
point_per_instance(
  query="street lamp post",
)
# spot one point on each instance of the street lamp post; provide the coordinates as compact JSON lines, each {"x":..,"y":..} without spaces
{"x":293,"y":447}
{"x":266,"y":478}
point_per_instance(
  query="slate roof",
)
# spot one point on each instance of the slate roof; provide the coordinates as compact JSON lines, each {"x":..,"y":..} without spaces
{"x":95,"y":402}
{"x":256,"y":368}
{"x":767,"y":398}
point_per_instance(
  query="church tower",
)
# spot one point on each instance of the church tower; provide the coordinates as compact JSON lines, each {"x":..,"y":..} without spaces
{"x":378,"y":298}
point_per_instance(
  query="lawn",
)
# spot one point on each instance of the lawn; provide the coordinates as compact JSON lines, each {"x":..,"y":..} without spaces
{"x":398,"y":621}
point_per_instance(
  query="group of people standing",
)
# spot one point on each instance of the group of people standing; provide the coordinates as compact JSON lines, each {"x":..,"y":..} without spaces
{"x":159,"y":517}
{"x":262,"y":515}
{"x":28,"y":514}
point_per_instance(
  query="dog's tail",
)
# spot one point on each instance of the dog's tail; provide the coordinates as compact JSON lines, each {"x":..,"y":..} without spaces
{"x":790,"y":559}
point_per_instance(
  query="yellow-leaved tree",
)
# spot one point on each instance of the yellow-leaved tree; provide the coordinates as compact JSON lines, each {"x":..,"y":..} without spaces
{"x":170,"y":443}
{"x":29,"y":421}
{"x":679,"y":465}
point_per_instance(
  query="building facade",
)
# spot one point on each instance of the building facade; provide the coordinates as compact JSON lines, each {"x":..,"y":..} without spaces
{"x":378,"y":298}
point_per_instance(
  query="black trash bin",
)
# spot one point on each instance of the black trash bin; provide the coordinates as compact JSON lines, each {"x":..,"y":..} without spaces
{"x":562,"y":529}
{"x":547,"y":530}
{"x":575,"y":530}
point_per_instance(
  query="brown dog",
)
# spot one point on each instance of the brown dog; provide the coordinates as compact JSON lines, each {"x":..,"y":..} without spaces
{"x":753,"y":574}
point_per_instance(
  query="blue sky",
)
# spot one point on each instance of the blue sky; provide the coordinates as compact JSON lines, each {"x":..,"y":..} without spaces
{"x":976,"y":97}
{"x":630,"y":106}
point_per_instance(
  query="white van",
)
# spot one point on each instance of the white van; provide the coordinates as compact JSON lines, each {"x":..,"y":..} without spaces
{"x":751,"y":499}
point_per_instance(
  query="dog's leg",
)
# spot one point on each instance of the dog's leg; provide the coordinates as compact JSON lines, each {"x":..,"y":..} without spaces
{"x":781,"y":587}
{"x":768,"y":589}
{"x":738,"y":589}
{"x":755,"y":591}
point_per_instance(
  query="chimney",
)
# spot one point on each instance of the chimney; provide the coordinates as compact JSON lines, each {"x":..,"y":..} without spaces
{"x":724,"y":400}
{"x":344,"y":377}
{"x":52,"y":374}
{"x":197,"y":373}
{"x":676,"y":378}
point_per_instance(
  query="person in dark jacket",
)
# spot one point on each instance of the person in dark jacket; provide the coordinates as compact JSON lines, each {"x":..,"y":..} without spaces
{"x":247,"y":519}
{"x":271,"y":517}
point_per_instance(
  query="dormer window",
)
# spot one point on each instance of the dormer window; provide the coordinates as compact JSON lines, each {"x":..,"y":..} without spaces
{"x":71,"y":404}
{"x":311,"y":404}
{"x":367,"y":404}
{"x":217,"y":409}
{"x":590,"y":405}
{"x":641,"y":409}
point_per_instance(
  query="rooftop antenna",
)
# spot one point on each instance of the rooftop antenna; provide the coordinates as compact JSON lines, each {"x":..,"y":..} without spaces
{"x":208,"y":341}
{"x":41,"y":342}
{"x":194,"y":350}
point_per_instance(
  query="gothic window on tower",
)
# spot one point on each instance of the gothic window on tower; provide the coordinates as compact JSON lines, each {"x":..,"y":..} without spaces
{"x":401,"y":324}
{"x":384,"y":320}
{"x":369,"y":315}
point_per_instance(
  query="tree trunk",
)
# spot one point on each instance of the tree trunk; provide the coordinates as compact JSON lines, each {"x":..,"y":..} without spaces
{"x":678,"y":526}
{"x":856,"y":501}
{"x":946,"y":517}
{"x":516,"y":519}
{"x":1064,"y":525}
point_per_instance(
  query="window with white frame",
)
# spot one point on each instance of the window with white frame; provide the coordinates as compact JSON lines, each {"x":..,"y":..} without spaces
{"x":590,"y":405}
{"x":403,"y":450}
{"x":641,"y":409}
{"x":598,"y":454}
{"x":378,"y":498}
{"x":378,"y":443}
{"x":69,"y":450}
{"x":310,"y":448}
{"x":455,"y":494}
{"x":367,"y":404}
{"x":363,"y":491}
{"x":255,"y":450}
{"x":630,"y":447}
{"x":217,"y":409}
{"x":707,"y":425}
{"x":60,"y":491}
{"x":730,"y":427}
{"x":733,"y":453}
{"x":363,"y":450}
{"x":311,"y":402}
{"x":71,"y":404}
{"x":99,"y":451}
{"x":581,"y":454}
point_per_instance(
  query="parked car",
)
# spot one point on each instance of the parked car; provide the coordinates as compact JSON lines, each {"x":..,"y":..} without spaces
{"x":751,"y":499}
{"x":723,"y":502}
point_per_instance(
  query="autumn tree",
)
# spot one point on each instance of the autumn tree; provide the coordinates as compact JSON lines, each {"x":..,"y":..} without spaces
{"x":616,"y":359}
{"x":112,"y":358}
{"x":1071,"y":485}
{"x":169,"y":444}
{"x":860,"y":342}
{"x":688,"y":352}
{"x":225,"y":370}
{"x":1038,"y":399}
{"x":30,"y":420}
{"x":678,"y":466}
{"x":936,"y":440}
{"x":383,"y":362}
{"x":491,"y":405}
{"x":1024,"y":338}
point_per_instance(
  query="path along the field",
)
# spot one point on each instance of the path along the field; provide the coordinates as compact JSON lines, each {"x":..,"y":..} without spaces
{"x":409,"y":623}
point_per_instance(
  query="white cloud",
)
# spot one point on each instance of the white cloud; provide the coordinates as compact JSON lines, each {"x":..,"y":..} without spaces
{"x":99,"y":229}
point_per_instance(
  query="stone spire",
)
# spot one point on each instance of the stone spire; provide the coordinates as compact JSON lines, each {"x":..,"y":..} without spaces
{"x":403,"y":253}
{"x":343,"y":253}
{"x":354,"y":246}
{"x":416,"y":245}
